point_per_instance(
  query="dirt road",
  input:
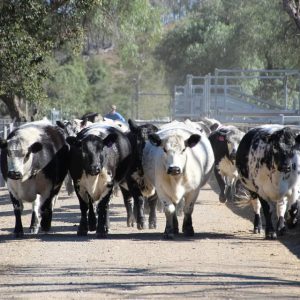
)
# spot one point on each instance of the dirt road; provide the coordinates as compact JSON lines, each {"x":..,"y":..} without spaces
{"x":224,"y":260}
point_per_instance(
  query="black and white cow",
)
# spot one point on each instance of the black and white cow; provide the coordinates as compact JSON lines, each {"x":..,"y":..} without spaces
{"x":100,"y":157}
{"x":267,"y":160}
{"x":34,"y":163}
{"x":177,"y":162}
{"x":140,"y":135}
{"x":225,"y":141}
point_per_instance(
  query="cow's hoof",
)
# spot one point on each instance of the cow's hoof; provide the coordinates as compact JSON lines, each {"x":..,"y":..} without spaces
{"x":45,"y":225}
{"x":271,"y":236}
{"x":189,"y":231}
{"x":168,"y":236}
{"x":92,"y":227}
{"x":152,"y":225}
{"x":281,"y":231}
{"x":82,"y":232}
{"x":176,"y":231}
{"x":222,"y":198}
{"x":140,"y":226}
{"x":256,"y":230}
{"x":19,"y":235}
{"x":292,"y":223}
{"x":130,"y":222}
{"x":33,"y":230}
{"x":101,"y":235}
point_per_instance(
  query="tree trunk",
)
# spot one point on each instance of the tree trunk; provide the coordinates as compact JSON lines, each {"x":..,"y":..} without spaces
{"x":292,"y":9}
{"x":13,"y":105}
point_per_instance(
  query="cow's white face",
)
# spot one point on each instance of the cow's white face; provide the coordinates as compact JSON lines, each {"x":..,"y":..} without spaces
{"x":20,"y":158}
{"x":174,"y":148}
{"x":233,"y":140}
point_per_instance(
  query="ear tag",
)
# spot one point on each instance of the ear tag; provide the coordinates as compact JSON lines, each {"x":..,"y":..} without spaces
{"x":221,"y":138}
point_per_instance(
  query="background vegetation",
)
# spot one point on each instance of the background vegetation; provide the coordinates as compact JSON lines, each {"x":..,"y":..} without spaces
{"x":81,"y":56}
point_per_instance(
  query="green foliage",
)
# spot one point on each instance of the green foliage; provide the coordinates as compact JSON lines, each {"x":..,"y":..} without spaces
{"x":30,"y":31}
{"x":229,"y":34}
{"x":232,"y":34}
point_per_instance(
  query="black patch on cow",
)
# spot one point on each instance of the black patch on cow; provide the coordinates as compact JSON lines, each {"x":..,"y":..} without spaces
{"x":243,"y":153}
{"x":219,"y":145}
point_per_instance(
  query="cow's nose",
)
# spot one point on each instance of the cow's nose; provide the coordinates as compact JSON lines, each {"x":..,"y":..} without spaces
{"x":14,"y":175}
{"x":94,"y":170}
{"x":232,"y":155}
{"x":173,"y":170}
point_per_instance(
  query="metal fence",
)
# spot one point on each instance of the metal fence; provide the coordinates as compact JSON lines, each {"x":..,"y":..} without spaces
{"x":254,"y":96}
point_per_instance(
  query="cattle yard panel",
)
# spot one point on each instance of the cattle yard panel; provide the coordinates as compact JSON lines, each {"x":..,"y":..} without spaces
{"x":245,"y":96}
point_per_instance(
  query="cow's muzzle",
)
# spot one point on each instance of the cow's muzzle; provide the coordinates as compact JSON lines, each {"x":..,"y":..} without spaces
{"x":232,"y":155}
{"x":14,"y":175}
{"x":173,"y":170}
{"x":93,"y":170}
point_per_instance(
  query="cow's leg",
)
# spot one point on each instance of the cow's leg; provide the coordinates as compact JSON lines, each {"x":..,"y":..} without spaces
{"x":293,"y":215}
{"x":152,"y":201}
{"x":170,"y":212}
{"x":103,"y":222}
{"x":69,"y":184}
{"x":175,"y":224}
{"x":269,"y":231}
{"x":179,"y":207}
{"x":83,"y":204}
{"x":257,"y":218}
{"x":221,"y":183}
{"x":18,"y":208}
{"x":138,"y":202}
{"x":281,"y":209}
{"x":128,"y":202}
{"x":34,"y":225}
{"x":46,"y":208}
{"x":92,"y":220}
{"x":187,"y":227}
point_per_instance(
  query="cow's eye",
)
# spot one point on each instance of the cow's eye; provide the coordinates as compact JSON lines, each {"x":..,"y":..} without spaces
{"x":165,"y":150}
{"x":183,"y":150}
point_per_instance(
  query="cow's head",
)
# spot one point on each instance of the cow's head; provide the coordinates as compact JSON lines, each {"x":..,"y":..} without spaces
{"x":174,"y":150}
{"x":233,"y":139}
{"x":283,"y":143}
{"x":20,"y":155}
{"x":141,"y":135}
{"x":91,"y":149}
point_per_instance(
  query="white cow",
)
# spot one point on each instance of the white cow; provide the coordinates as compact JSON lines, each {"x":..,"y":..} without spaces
{"x":177,"y":162}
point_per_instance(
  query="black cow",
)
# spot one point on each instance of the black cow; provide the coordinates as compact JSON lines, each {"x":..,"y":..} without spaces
{"x":225,"y":141}
{"x":34,"y":163}
{"x":140,"y":136}
{"x":101,"y":156}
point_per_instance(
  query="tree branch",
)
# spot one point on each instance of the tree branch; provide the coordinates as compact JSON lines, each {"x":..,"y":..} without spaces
{"x":292,"y":9}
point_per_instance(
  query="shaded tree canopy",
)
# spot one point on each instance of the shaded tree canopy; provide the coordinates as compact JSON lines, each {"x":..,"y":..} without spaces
{"x":30,"y":31}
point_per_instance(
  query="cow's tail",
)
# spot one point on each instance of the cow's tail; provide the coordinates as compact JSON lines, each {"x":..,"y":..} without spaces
{"x":242,"y":196}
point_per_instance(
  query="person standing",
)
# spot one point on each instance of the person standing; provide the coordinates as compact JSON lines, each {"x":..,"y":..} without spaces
{"x":114,"y":115}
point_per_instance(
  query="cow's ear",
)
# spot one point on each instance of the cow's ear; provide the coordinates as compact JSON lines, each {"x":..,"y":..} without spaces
{"x":297,"y":139}
{"x":154,"y":139}
{"x":110,"y":139}
{"x":214,"y":126}
{"x":35,"y":147}
{"x":72,"y":141}
{"x":60,"y":124}
{"x":132,"y":126}
{"x":192,"y":140}
{"x":83,"y":122}
{"x":3,"y":143}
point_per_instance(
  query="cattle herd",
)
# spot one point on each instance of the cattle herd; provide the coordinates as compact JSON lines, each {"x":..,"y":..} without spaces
{"x":166,"y":165}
